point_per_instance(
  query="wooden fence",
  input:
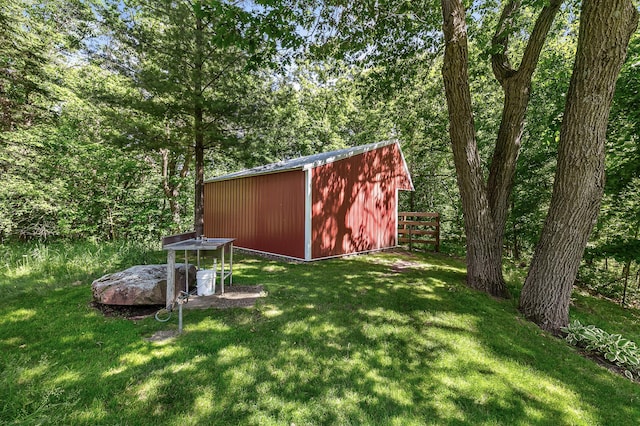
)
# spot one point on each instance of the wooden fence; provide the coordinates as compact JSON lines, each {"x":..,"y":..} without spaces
{"x":419,"y":228}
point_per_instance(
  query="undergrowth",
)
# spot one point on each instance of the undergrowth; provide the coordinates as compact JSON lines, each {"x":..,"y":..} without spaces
{"x":612,"y":347}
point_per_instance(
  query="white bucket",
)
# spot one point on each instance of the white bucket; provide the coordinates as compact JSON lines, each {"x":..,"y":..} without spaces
{"x":206,"y":279}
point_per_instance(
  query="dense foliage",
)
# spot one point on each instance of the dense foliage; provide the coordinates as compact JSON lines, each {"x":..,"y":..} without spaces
{"x":97,"y":114}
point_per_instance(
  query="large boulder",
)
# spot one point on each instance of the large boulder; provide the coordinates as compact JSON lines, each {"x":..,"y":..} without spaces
{"x":140,"y":285}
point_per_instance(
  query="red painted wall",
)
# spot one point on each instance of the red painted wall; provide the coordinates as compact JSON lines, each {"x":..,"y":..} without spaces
{"x":355,"y":202}
{"x":263,"y":213}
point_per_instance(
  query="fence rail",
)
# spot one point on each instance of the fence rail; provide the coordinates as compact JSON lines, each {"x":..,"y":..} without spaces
{"x":419,"y":228}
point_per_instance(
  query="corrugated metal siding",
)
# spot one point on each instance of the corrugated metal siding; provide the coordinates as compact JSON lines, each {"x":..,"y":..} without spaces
{"x":263,"y":213}
{"x":355,"y":202}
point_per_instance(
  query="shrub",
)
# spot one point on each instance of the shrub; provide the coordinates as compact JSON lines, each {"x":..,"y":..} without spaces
{"x":613,"y":347}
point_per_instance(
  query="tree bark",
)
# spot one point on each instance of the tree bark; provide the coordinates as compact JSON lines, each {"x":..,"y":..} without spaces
{"x":516,"y":246}
{"x":517,"y":88}
{"x":484,"y":258}
{"x":486,"y":207}
{"x":605,"y":29}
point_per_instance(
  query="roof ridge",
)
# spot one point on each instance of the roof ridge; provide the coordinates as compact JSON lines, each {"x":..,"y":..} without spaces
{"x":305,"y":162}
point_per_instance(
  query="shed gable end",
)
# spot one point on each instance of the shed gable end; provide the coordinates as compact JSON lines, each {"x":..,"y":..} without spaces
{"x":354,"y":202}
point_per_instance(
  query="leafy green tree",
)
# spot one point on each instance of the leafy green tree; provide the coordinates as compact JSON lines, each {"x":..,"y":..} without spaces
{"x":34,"y":36}
{"x":23,"y":56}
{"x":192,"y":63}
{"x":36,"y":39}
{"x":182,"y":60}
{"x":63,"y":180}
{"x":317,"y":106}
{"x":537,"y":160}
{"x":122,"y":187}
{"x":131,"y":122}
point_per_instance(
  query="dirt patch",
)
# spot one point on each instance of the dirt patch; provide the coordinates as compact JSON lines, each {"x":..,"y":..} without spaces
{"x":128,"y":312}
{"x":401,"y":266}
{"x":402,"y":251}
{"x":237,"y":296}
{"x":162,"y":335}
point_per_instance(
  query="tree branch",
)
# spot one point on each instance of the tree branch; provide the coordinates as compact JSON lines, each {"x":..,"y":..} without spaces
{"x":499,"y":60}
{"x":537,"y":38}
{"x":502,"y":68}
{"x":219,"y":74}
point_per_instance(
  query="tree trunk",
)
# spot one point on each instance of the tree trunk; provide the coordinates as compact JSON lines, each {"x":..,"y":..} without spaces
{"x":517,"y":88}
{"x":485,"y":207}
{"x":605,"y":29}
{"x":198,"y":126}
{"x":412,"y":200}
{"x":626,"y":270}
{"x":171,"y":185}
{"x":516,"y":246}
{"x":484,"y":264}
{"x":198,"y":219}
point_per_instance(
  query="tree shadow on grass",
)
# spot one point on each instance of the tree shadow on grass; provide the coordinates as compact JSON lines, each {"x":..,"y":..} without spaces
{"x":339,"y":342}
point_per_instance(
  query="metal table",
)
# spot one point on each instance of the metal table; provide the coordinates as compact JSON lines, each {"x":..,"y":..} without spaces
{"x":198,"y":244}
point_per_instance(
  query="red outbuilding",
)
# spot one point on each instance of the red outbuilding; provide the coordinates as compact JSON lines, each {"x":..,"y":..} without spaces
{"x":313,"y":207}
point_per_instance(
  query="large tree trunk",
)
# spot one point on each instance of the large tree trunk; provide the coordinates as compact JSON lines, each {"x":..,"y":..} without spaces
{"x":516,"y":84}
{"x":605,"y":29}
{"x":485,"y":207}
{"x":484,"y":264}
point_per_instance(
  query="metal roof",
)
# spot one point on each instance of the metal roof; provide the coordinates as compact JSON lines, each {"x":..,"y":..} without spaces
{"x":305,"y":163}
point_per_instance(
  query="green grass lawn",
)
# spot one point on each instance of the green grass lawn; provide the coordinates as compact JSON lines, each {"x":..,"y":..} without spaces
{"x":384,"y":339}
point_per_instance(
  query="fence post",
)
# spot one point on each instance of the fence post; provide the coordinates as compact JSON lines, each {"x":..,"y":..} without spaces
{"x":438,"y":233}
{"x":410,"y":233}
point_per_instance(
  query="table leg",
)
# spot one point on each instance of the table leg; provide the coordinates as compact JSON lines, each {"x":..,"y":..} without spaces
{"x":231,"y":264}
{"x":222,"y":270}
{"x":186,"y":272}
{"x":171,"y":277}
